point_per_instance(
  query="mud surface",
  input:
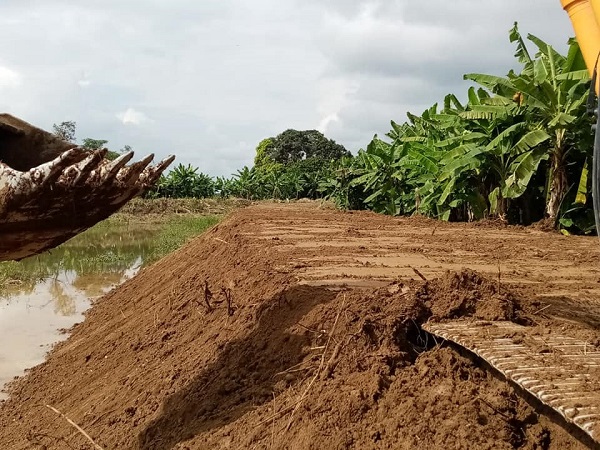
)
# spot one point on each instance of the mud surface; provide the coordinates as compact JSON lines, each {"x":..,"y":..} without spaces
{"x":297,"y":327}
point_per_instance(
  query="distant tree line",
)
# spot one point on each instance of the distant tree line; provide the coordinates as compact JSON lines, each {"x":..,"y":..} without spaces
{"x":289,"y":166}
{"x":66,"y":131}
{"x":518,"y":149}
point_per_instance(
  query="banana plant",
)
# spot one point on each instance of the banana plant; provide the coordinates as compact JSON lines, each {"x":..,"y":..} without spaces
{"x":340,"y":188}
{"x":553,"y":88}
{"x":513,"y":158}
{"x":380,"y":176}
{"x":244,"y":183}
{"x":185,"y":181}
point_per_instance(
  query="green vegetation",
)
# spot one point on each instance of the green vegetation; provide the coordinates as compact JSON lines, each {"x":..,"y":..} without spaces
{"x":110,"y":248}
{"x":65,"y":130}
{"x":289,"y":166}
{"x":514,"y":147}
{"x":184,"y":182}
{"x":177,"y":232}
{"x":293,"y":146}
{"x":517,"y":150}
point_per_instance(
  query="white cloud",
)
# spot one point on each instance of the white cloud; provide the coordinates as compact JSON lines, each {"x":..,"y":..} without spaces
{"x":133,"y":117}
{"x":84,"y":81}
{"x":9,"y":78}
{"x":335,"y":95}
{"x":327,"y":121}
{"x":217,"y":73}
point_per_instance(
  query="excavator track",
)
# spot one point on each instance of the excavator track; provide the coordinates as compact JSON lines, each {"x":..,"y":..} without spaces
{"x":559,"y":371}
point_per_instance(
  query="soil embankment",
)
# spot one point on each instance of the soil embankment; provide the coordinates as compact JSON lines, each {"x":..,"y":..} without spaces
{"x":297,"y":327}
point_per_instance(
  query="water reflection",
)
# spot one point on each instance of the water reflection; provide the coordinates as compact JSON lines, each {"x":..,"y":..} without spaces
{"x":68,"y":279}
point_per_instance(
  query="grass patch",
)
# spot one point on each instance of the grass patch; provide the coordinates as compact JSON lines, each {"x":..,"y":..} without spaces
{"x":112,"y":246}
{"x":179,"y":230}
{"x":167,"y":206}
{"x":13,"y":273}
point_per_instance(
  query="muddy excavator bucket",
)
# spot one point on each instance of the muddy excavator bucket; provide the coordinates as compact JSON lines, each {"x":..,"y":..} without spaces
{"x":51,"y":190}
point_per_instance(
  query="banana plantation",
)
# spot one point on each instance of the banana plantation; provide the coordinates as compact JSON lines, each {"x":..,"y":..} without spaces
{"x":515,"y":147}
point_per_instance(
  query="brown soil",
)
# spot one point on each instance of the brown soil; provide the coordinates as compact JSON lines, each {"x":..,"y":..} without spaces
{"x":319,"y":346}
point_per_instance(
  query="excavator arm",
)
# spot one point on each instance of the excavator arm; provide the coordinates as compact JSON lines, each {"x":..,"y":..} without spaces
{"x":585,"y":17}
{"x":51,"y":190}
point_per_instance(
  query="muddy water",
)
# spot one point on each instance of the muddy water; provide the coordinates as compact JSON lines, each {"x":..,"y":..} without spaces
{"x":34,"y":315}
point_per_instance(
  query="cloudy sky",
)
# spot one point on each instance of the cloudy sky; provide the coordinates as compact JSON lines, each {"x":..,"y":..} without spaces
{"x":207,"y":80}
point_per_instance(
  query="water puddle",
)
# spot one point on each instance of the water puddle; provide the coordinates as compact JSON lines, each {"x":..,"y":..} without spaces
{"x":67,"y":280}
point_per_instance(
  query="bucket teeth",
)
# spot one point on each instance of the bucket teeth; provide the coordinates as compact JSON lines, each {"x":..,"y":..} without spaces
{"x":78,"y":172}
{"x":68,"y":194}
{"x":50,"y":171}
{"x":23,"y":183}
{"x":132,"y":173}
{"x":110,"y":170}
{"x":153,"y":173}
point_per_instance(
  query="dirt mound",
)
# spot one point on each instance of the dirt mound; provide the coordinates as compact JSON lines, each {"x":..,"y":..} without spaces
{"x":545,"y":224}
{"x":468,"y":294}
{"x":223,"y":345}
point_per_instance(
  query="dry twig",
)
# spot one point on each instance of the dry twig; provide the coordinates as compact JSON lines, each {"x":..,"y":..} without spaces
{"x":273,"y":424}
{"x":227,"y":293}
{"x":500,"y":413}
{"x":321,"y":364}
{"x":499,"y":275}
{"x":542,"y":309}
{"x":207,"y":295}
{"x":333,"y":360}
{"x":77,"y":427}
{"x":419,"y":274}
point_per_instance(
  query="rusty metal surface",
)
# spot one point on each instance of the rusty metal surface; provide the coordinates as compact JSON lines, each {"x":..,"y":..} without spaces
{"x":560,"y":371}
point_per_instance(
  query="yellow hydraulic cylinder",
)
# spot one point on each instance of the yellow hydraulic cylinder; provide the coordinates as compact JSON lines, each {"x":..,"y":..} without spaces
{"x":583,"y":17}
{"x":596,"y":9}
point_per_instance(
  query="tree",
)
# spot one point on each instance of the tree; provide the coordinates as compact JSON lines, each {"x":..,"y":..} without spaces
{"x":97,"y":144}
{"x":94,"y":144}
{"x":294,"y":145}
{"x":262,"y":158}
{"x":65,"y":130}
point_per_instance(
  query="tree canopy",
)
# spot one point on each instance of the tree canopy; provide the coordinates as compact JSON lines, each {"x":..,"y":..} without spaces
{"x":65,"y":130}
{"x":294,"y":145}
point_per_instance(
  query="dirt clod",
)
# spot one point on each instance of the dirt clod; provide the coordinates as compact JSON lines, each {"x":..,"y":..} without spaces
{"x":468,"y":294}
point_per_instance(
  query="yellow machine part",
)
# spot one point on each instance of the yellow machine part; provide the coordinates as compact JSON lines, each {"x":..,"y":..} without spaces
{"x":585,"y":17}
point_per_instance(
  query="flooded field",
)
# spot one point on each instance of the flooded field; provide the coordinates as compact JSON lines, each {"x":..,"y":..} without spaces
{"x":42,"y":296}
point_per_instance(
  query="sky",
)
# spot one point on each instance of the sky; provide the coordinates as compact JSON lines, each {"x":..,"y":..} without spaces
{"x":207,"y":80}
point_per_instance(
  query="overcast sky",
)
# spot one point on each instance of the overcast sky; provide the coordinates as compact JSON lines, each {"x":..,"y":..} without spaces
{"x":208,"y":79}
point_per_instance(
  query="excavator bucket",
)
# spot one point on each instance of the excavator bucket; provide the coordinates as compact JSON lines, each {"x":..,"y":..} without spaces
{"x":51,"y":190}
